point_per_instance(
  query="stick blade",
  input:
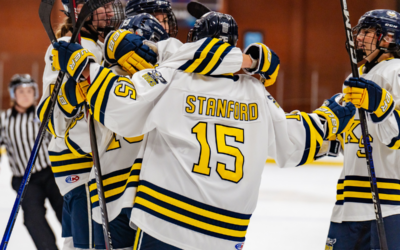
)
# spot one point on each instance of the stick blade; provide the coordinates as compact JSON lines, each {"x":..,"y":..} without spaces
{"x":44,"y":14}
{"x":197,"y":9}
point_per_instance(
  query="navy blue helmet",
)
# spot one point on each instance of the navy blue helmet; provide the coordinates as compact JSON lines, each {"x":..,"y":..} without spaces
{"x":216,"y":25}
{"x":145,"y":25}
{"x":155,"y":7}
{"x":387,"y":27}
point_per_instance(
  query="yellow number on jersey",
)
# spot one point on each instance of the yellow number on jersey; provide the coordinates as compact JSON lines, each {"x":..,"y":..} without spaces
{"x":124,"y":90}
{"x":114,"y":144}
{"x":221,"y":132}
{"x":202,"y":167}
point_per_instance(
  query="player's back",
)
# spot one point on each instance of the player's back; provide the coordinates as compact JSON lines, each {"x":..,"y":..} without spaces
{"x":203,"y":160}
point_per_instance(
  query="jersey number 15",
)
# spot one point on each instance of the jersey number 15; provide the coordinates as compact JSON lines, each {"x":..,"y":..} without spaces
{"x":221,"y":132}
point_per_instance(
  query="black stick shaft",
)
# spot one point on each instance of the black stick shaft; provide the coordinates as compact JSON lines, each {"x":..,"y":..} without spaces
{"x":365,"y":134}
{"x":99,"y":184}
{"x":96,"y":159}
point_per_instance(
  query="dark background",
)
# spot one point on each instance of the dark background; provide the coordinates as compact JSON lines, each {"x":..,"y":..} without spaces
{"x":308,"y":36}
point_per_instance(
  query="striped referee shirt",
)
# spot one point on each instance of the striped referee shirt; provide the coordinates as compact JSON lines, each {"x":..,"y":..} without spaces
{"x":18,"y":133}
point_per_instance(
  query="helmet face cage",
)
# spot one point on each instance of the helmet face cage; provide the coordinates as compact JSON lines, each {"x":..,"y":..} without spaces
{"x":366,"y":40}
{"x":23,"y":80}
{"x":106,"y":18}
{"x":374,"y":28}
{"x":161,"y":9}
{"x":167,"y":19}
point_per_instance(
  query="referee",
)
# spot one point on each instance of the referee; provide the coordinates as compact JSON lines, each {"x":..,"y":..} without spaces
{"x":18,"y":129}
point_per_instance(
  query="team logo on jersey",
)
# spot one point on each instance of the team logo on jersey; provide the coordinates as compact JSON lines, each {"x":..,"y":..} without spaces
{"x":273,"y":100}
{"x":154,"y":77}
{"x":72,"y":179}
{"x":391,"y":13}
{"x":329,"y":243}
{"x":239,"y":246}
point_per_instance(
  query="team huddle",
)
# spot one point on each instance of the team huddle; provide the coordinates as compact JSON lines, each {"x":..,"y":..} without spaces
{"x":183,"y":140}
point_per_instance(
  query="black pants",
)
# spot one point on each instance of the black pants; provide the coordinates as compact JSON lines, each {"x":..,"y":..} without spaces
{"x":41,"y":186}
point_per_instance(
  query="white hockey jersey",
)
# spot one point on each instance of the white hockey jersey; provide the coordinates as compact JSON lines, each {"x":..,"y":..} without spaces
{"x":354,"y":199}
{"x":119,"y":156}
{"x":71,"y":168}
{"x":208,"y":140}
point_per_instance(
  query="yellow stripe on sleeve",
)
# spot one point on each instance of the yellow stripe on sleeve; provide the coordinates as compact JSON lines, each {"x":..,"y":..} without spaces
{"x":314,"y":138}
{"x":49,"y":124}
{"x":96,"y":84}
{"x":203,"y":55}
{"x":215,"y":58}
{"x":99,"y":99}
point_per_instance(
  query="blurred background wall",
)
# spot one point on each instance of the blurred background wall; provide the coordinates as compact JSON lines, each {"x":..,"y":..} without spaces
{"x":308,"y":36}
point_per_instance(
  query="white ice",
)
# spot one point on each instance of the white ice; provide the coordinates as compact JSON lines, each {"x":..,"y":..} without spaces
{"x":293,"y":209}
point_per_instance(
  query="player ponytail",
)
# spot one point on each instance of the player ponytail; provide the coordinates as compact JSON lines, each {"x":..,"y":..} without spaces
{"x":64,"y":28}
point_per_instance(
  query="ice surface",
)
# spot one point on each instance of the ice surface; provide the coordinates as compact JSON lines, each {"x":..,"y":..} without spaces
{"x":293,"y":210}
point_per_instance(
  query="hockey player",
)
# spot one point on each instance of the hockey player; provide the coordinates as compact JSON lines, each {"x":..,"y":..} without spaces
{"x":71,"y":164}
{"x":207,"y":142}
{"x":161,"y":10}
{"x":377,"y":91}
{"x":119,"y":178}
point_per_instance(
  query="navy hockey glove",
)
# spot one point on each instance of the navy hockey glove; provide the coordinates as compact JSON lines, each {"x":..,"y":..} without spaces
{"x":129,"y":51}
{"x":267,"y":62}
{"x":71,"y":58}
{"x":338,"y":118}
{"x":369,"y":96}
{"x":71,"y":96}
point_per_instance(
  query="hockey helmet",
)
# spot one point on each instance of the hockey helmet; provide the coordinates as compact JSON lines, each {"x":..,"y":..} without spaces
{"x":387,"y":27}
{"x":23,"y":80}
{"x":100,"y":22}
{"x":216,"y":25}
{"x":154,"y":7}
{"x":145,"y":25}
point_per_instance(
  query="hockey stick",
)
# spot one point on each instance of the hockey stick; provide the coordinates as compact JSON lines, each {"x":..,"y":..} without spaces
{"x":44,"y":13}
{"x":99,"y":184}
{"x":96,"y":159}
{"x":365,"y":134}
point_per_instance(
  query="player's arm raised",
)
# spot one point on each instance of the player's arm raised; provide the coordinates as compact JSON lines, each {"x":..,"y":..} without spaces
{"x":299,"y":135}
{"x":379,"y":104}
{"x":109,"y":91}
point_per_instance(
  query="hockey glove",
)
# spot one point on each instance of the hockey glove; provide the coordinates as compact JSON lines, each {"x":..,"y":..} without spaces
{"x":71,"y":58}
{"x":129,"y":51}
{"x":369,"y":96}
{"x":267,"y":62}
{"x":71,"y":96}
{"x":329,"y":148}
{"x":337,"y":118}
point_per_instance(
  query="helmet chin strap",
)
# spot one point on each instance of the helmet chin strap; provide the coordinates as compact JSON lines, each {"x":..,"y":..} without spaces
{"x":372,"y":59}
